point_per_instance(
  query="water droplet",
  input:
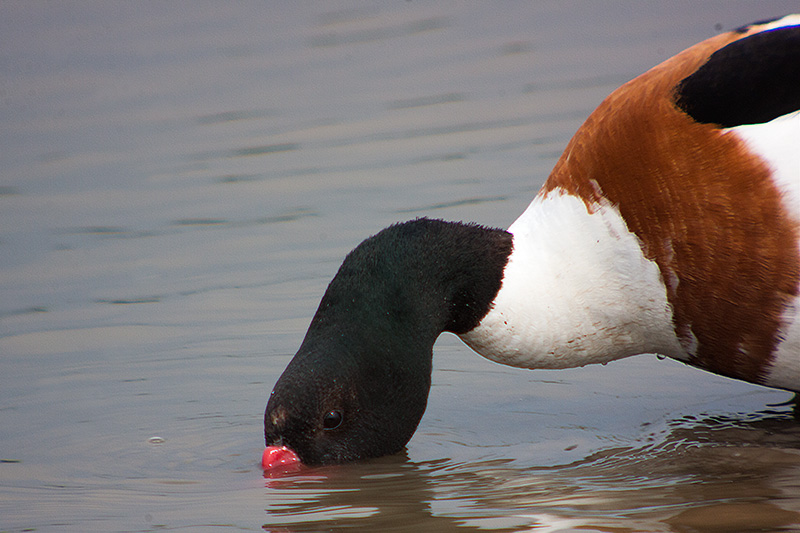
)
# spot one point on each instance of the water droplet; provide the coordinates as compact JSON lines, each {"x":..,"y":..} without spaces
{"x":156,"y":440}
{"x":660,"y":356}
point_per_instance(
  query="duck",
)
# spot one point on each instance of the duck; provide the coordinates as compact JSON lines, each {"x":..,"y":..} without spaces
{"x":670,"y":225}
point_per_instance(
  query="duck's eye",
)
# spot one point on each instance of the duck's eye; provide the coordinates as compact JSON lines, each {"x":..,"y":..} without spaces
{"x":332,"y":420}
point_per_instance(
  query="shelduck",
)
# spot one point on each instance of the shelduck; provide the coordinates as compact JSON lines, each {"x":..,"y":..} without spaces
{"x":670,"y":225}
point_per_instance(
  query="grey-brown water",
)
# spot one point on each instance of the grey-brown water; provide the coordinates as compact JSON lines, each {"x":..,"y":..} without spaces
{"x":179,"y":182}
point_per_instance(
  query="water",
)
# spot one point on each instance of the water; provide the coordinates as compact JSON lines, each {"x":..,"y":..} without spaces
{"x":179,"y":182}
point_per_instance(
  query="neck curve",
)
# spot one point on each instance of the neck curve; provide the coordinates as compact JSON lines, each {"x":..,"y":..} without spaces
{"x":415,"y":280}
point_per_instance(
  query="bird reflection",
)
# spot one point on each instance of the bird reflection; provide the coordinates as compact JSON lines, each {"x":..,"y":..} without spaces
{"x":643,"y":486}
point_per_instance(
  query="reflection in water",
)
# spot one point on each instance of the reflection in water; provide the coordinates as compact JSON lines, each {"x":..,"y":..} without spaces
{"x":381,"y":495}
{"x":721,"y":473}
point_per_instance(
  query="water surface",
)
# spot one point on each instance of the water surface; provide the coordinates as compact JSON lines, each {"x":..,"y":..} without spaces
{"x":179,"y":182}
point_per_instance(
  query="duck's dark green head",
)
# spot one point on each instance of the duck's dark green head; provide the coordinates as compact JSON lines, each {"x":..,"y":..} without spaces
{"x":358,"y":385}
{"x":329,"y":410}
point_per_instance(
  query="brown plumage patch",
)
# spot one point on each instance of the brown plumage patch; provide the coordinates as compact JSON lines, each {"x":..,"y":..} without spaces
{"x":705,"y":209}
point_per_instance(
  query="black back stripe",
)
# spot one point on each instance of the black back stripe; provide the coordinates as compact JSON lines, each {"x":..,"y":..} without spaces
{"x":750,"y":81}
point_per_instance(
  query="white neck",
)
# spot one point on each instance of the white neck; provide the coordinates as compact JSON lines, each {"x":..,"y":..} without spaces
{"x":576,"y":290}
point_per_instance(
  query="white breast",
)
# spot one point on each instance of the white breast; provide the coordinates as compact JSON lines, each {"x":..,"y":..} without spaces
{"x":776,"y":142}
{"x":577,"y":290}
